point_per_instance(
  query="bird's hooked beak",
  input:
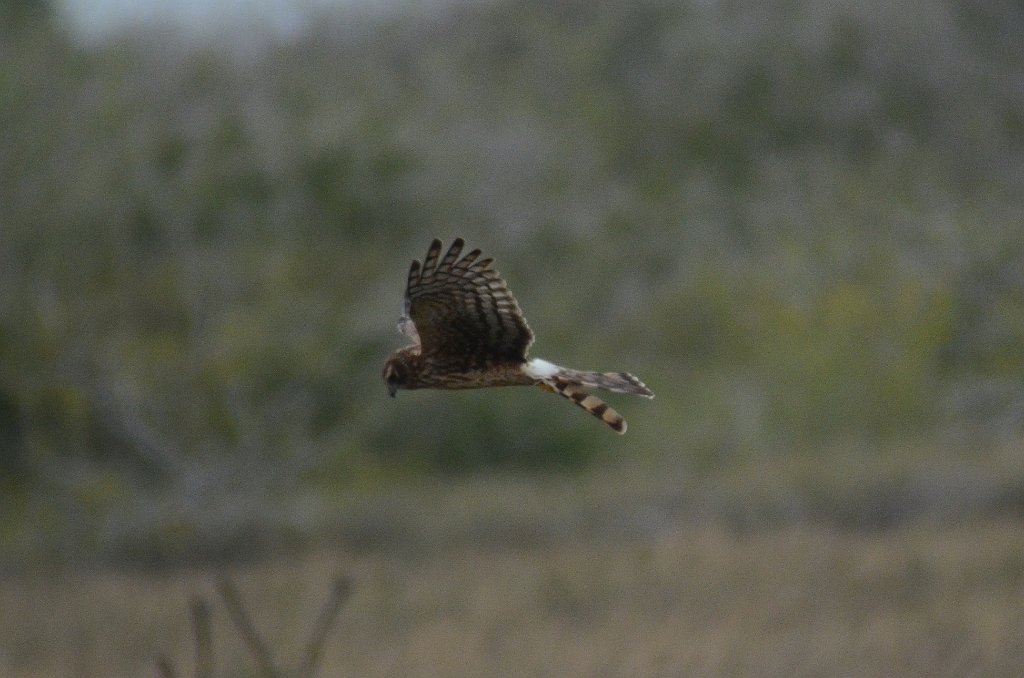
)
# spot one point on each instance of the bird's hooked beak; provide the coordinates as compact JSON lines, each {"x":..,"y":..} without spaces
{"x":390,"y":378}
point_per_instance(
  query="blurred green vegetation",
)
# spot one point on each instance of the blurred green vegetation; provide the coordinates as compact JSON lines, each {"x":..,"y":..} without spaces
{"x":800,"y":224}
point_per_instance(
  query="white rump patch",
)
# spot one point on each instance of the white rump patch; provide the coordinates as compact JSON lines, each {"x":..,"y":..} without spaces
{"x":541,"y":369}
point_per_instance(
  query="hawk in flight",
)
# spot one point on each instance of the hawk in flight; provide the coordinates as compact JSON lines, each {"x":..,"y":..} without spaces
{"x":468,"y":332}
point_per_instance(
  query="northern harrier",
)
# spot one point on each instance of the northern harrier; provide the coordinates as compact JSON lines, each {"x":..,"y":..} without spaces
{"x":469,"y":332}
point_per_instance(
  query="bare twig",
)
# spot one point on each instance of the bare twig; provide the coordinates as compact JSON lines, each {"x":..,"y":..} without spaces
{"x":233,"y":603}
{"x":165,"y":667}
{"x":311,"y":657}
{"x":202,"y":628}
{"x":203,"y":637}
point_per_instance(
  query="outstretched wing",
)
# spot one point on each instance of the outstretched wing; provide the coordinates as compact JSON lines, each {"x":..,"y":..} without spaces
{"x":462,"y":312}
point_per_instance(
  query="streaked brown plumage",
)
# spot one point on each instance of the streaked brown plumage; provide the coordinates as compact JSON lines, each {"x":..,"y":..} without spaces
{"x":469,"y":332}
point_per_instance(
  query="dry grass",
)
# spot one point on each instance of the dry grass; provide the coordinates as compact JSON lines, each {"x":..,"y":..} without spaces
{"x":922,"y":600}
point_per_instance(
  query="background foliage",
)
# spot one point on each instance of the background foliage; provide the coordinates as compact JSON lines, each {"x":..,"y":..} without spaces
{"x":799,"y":223}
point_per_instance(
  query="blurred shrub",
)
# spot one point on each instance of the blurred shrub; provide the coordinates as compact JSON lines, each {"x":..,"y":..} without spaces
{"x":796,"y":223}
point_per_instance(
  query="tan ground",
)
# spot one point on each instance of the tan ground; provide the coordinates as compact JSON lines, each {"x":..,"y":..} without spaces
{"x":924,"y":600}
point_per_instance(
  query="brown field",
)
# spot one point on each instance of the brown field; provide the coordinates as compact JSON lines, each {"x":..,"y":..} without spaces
{"x":493,"y":596}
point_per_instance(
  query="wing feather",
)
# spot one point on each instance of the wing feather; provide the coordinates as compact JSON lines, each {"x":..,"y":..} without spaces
{"x":462,"y":310}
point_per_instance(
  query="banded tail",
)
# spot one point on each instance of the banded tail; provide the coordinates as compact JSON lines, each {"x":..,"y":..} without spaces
{"x":572,"y":385}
